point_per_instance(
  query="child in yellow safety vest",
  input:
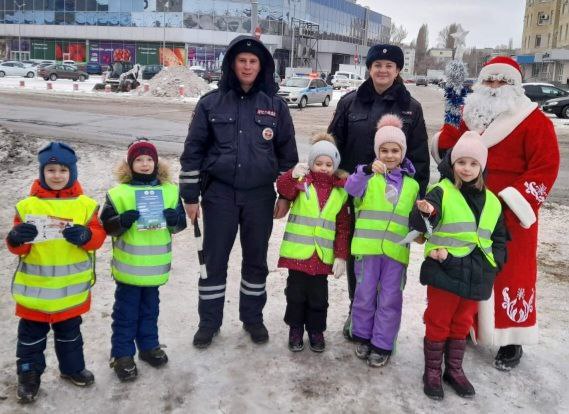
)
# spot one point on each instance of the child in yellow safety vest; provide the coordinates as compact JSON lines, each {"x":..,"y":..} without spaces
{"x":56,"y":231}
{"x":384,"y":194}
{"x":316,"y":239}
{"x":140,"y":214}
{"x":463,"y":254}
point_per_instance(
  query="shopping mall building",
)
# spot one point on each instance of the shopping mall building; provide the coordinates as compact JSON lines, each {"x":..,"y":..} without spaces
{"x":193,"y":32}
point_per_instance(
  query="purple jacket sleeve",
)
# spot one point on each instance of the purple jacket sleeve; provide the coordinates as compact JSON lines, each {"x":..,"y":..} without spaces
{"x":356,"y":183}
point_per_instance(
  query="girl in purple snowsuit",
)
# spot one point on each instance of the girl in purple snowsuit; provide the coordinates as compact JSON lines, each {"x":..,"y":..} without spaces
{"x":384,"y":194}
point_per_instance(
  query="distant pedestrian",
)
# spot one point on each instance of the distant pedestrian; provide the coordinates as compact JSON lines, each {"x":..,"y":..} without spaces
{"x":316,"y":240}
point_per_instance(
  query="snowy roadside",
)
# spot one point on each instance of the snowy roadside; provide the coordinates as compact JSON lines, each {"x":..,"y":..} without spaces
{"x":234,"y":375}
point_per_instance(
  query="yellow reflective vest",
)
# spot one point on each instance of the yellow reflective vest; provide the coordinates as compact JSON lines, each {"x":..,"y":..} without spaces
{"x":55,"y":275}
{"x":380,"y":225}
{"x":142,"y":257}
{"x":457,"y":231}
{"x":309,"y":229}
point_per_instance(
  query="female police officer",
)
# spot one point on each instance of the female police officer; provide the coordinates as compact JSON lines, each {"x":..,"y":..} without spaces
{"x":240,"y":138}
{"x":356,"y":116}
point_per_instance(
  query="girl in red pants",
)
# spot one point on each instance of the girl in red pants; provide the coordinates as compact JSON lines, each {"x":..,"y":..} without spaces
{"x":466,"y":249}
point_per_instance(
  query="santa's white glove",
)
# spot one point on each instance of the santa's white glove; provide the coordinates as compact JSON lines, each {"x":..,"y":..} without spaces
{"x":339,"y":267}
{"x":300,"y":170}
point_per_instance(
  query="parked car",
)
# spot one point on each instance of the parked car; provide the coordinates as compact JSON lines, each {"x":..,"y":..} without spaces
{"x":421,"y":81}
{"x":149,"y":71}
{"x":69,"y":62}
{"x":29,"y":63}
{"x":346,"y":80}
{"x":198,"y":70}
{"x":60,"y":71}
{"x":14,"y":68}
{"x":541,"y":92}
{"x":212,"y":75}
{"x":304,"y":91}
{"x":93,"y":68}
{"x":558,"y":106}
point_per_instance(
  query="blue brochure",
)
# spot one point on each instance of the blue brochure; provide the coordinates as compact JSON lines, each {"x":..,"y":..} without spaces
{"x":150,"y":205}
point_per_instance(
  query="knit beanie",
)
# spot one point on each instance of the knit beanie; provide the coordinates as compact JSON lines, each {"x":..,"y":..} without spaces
{"x":470,"y":145}
{"x":385,"y":52}
{"x":389,"y":130}
{"x":141,"y":147}
{"x":248,"y":46}
{"x":323,"y":144}
{"x":58,"y":153}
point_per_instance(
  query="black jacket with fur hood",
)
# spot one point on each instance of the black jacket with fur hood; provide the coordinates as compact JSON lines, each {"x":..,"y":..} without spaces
{"x":110,"y":217}
{"x":472,"y":276}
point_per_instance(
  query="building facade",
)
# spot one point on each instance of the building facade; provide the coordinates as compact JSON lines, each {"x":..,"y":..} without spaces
{"x":321,"y":33}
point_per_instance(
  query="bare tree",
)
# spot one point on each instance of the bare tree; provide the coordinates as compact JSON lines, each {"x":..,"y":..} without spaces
{"x":397,"y":34}
{"x":421,"y":46}
{"x":445,"y":39}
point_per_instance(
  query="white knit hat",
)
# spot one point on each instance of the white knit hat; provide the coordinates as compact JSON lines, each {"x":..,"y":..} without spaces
{"x":470,"y":145}
{"x":389,"y":130}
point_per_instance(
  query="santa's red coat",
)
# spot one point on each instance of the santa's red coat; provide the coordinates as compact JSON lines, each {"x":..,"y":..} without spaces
{"x":523,"y":162}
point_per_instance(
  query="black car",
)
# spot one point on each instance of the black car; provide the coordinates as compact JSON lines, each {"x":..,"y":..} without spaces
{"x":557,"y":106}
{"x":212,"y":75}
{"x":541,"y":92}
{"x":93,"y":68}
{"x":149,"y":71}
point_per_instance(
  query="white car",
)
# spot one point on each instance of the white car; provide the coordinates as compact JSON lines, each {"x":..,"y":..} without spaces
{"x":14,"y":68}
{"x":304,"y":91}
{"x":346,"y":80}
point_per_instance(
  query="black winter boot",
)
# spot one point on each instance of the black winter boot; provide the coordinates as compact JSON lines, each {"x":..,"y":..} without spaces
{"x":82,"y":378}
{"x":204,"y":337}
{"x":317,"y":342}
{"x":125,"y":368}
{"x":155,"y":357}
{"x":508,"y":357}
{"x":295,"y":342}
{"x":28,"y":386}
{"x":258,"y":332}
{"x":378,"y":357}
{"x":454,"y":375}
{"x":433,"y":361}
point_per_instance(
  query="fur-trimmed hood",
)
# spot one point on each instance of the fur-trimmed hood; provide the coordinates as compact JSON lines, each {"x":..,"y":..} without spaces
{"x":123,"y":173}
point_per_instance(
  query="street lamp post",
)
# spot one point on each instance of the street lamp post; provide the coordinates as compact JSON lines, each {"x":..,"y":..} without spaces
{"x":166,"y":6}
{"x":292,"y":27}
{"x":20,"y":7}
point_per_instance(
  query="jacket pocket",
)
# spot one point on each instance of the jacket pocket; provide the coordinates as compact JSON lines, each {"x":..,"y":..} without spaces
{"x":357,"y":117}
{"x":223,"y":126}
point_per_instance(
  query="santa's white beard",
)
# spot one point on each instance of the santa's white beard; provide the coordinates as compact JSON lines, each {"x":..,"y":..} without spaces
{"x":484,"y":104}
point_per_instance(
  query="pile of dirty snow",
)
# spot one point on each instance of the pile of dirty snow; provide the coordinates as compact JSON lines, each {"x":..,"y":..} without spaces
{"x":167,"y":82}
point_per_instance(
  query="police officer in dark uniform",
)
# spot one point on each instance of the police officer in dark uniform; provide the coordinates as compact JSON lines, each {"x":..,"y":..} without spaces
{"x":240,"y":139}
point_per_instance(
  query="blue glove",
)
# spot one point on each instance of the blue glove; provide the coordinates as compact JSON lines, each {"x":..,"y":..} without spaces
{"x":171,"y":217}
{"x":77,"y":234}
{"x":128,"y":218}
{"x":22,"y":233}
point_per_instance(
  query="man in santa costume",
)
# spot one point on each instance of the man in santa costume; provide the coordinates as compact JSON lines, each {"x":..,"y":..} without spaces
{"x":523,"y":161}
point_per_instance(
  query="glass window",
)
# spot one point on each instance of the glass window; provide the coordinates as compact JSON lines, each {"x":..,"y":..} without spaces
{"x":49,"y":17}
{"x":69,"y":5}
{"x":59,"y":18}
{"x":102,"y":5}
{"x":59,"y":5}
{"x":39,"y":17}
{"x":114,"y":5}
{"x":125,"y":19}
{"x":69,"y":18}
{"x":113,"y":19}
{"x":126,"y":5}
{"x":90,"y":5}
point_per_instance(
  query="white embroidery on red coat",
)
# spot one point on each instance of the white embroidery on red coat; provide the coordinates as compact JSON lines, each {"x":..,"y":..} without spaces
{"x":518,"y":310}
{"x":538,"y":191}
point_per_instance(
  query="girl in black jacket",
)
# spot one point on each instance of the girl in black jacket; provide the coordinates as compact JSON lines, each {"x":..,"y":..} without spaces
{"x":456,"y":282}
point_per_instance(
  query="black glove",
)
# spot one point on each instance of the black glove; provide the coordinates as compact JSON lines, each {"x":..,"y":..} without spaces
{"x":22,"y":233}
{"x":171,"y":217}
{"x":77,"y":234}
{"x":129,"y":217}
{"x":367,"y":169}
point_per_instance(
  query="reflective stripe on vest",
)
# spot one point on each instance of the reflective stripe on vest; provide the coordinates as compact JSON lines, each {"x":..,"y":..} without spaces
{"x":142,"y":257}
{"x":380,"y":225}
{"x":308,"y":229}
{"x":55,"y":275}
{"x":457,"y":231}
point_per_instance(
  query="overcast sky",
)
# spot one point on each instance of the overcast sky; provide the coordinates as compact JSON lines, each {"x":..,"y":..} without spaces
{"x":490,"y":22}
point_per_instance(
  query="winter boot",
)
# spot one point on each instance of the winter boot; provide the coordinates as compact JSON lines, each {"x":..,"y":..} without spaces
{"x":204,"y":337}
{"x":433,"y":362}
{"x":363,"y":350}
{"x":125,"y":368}
{"x":347,"y":329}
{"x":295,"y":342}
{"x":454,"y":375}
{"x":82,"y":378}
{"x":28,"y":386}
{"x":378,"y":357}
{"x":508,"y":357}
{"x":155,"y":357}
{"x":258,"y":332}
{"x":317,"y":342}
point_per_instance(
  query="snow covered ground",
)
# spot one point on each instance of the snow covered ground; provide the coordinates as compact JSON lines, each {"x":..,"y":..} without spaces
{"x":236,"y":376}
